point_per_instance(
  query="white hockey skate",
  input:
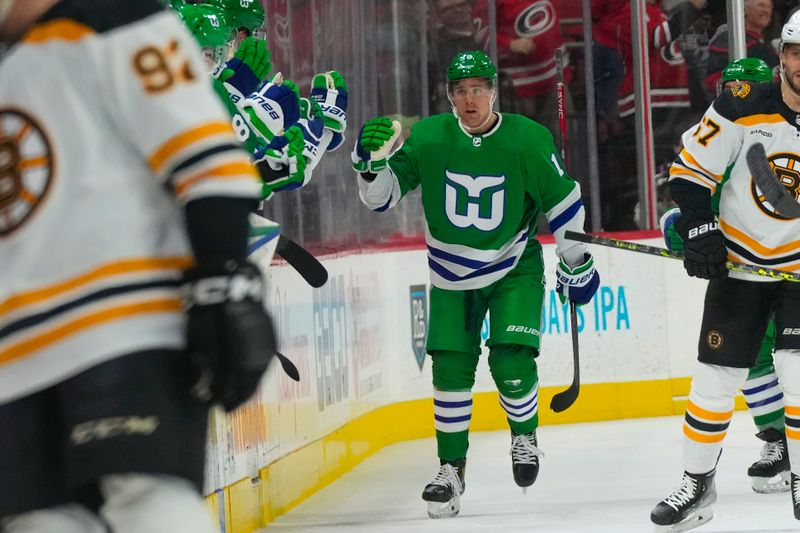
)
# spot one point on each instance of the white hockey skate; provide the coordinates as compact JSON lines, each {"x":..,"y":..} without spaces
{"x":771,"y":472}
{"x":687,"y":507}
{"x":443,"y":494}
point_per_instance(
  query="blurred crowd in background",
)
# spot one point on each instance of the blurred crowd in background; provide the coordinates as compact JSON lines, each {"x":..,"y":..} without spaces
{"x":394,"y":55}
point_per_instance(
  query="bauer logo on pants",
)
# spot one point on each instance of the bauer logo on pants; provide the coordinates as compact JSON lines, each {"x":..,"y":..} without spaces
{"x":419,"y":321}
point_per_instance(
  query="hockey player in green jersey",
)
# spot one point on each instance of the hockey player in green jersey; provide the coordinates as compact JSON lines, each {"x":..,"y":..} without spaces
{"x":761,"y":391}
{"x":485,"y":177}
{"x":286,"y":134}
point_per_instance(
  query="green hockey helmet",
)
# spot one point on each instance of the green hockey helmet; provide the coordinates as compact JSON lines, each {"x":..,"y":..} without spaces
{"x":242,"y":13}
{"x":475,"y":64}
{"x":747,"y":69}
{"x":207,"y":23}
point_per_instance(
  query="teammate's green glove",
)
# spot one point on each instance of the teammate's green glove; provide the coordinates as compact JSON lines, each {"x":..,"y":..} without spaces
{"x":375,"y":141}
{"x":672,"y":238}
{"x":247,"y":68}
{"x":330,"y":90}
{"x":286,"y":152}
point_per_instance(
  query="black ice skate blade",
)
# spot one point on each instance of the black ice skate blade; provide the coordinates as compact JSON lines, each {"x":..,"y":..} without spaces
{"x":694,"y":519}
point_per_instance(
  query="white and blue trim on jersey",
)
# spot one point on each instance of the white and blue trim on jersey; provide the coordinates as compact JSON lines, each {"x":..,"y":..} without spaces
{"x":459,"y":267}
{"x":568,"y":215}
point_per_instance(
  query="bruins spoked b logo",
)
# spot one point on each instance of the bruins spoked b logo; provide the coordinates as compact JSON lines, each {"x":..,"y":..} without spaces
{"x":714,"y":340}
{"x":26,"y":168}
{"x":787,"y":167}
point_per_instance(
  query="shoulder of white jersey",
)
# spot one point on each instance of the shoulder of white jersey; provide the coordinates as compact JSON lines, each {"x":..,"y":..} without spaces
{"x":98,"y":16}
{"x":749,"y":100}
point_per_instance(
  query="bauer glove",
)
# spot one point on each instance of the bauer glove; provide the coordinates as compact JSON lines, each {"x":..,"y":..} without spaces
{"x":577,"y":284}
{"x":705,"y":253}
{"x":249,"y":66}
{"x":672,"y":239}
{"x":231,"y":339}
{"x":376,"y":139}
{"x":286,"y":165}
{"x":274,"y":108}
{"x":329,"y":90}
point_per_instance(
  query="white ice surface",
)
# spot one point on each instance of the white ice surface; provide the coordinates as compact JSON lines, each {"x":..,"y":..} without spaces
{"x":598,"y":477}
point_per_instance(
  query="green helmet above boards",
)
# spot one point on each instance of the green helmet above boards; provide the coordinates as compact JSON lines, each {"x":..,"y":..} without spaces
{"x":242,"y":13}
{"x":207,"y":23}
{"x":475,"y":64}
{"x":747,"y":69}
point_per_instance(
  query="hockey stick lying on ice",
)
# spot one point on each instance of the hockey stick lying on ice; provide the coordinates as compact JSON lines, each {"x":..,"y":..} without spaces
{"x":663,"y":252}
{"x":564,"y":399}
{"x":763,"y":176}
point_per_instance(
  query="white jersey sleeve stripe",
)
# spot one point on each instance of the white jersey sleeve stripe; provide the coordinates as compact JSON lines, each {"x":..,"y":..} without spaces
{"x":185,"y":144}
{"x":691,"y":163}
{"x":689,"y":175}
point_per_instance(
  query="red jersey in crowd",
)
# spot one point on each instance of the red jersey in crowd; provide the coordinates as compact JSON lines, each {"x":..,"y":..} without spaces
{"x":669,"y":75}
{"x":534,"y":73}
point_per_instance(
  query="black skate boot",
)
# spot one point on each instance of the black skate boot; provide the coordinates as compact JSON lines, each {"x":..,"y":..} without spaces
{"x":443,"y":494}
{"x":687,"y":507}
{"x":796,"y":496}
{"x":771,"y":472}
{"x":525,"y":459}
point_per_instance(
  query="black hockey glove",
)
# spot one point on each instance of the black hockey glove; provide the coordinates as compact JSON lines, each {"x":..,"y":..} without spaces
{"x":705,"y":252}
{"x":231,"y":339}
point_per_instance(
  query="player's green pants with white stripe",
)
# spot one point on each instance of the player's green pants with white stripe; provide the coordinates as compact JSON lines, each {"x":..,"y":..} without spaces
{"x":514,"y":304}
{"x":761,"y":391}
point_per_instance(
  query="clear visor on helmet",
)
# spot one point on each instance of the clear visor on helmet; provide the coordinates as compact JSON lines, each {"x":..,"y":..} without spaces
{"x":460,"y":89}
{"x":214,"y":56}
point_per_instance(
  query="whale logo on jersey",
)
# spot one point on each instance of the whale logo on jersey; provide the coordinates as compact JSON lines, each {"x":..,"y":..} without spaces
{"x":474,"y":200}
{"x":787,"y":167}
{"x":26,"y":168}
{"x":536,"y":19}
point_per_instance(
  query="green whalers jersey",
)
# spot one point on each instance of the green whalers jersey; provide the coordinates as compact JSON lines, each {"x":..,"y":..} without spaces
{"x":241,"y":128}
{"x":481,"y":194}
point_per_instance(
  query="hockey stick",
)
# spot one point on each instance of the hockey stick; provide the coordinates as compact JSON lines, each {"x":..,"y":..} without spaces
{"x":763,"y":176}
{"x":663,"y":252}
{"x":561,"y":102}
{"x":564,"y":399}
{"x":298,"y":257}
{"x":302,"y":261}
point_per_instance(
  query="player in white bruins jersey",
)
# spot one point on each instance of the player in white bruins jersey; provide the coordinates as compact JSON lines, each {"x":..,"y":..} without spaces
{"x":122,"y":189}
{"x":738,"y":307}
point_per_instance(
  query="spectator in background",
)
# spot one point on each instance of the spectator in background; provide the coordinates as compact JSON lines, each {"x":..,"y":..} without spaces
{"x":669,"y":100}
{"x":614,"y":58}
{"x":609,"y":61}
{"x":527,"y":39}
{"x":450,"y":30}
{"x":757,"y":16}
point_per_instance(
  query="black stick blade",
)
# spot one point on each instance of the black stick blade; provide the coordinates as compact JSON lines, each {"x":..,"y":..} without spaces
{"x":288,"y":366}
{"x":564,"y":399}
{"x":302,"y":261}
{"x":771,"y":187}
